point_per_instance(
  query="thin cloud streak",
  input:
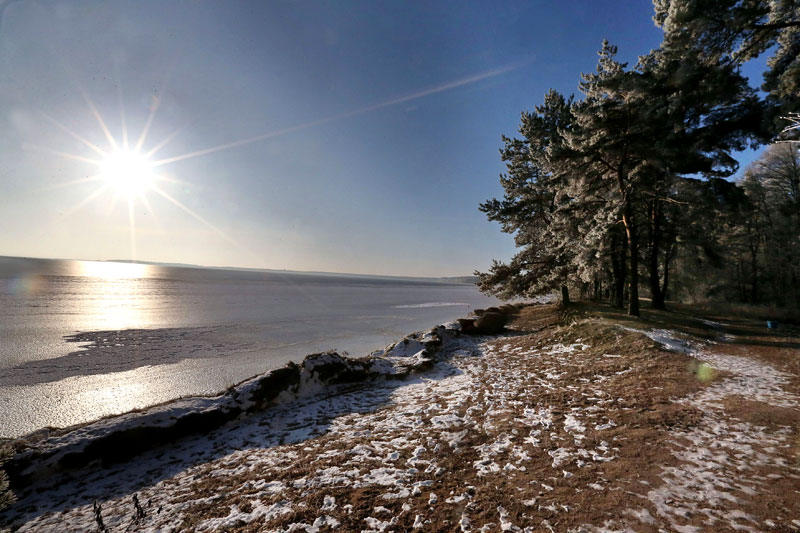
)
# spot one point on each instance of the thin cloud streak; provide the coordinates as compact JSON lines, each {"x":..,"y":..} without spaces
{"x":195,"y":215}
{"x":414,"y":96}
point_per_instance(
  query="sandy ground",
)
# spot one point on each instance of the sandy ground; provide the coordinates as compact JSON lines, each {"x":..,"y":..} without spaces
{"x":589,"y":423}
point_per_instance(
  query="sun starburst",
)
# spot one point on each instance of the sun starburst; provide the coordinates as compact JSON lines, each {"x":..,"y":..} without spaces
{"x":127,"y":172}
{"x":132,"y":172}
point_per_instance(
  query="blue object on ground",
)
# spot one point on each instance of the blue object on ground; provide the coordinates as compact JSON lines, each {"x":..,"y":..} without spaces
{"x":772,"y":324}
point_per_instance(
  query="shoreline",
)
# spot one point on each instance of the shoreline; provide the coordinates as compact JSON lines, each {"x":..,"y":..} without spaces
{"x":120,"y":437}
{"x":151,"y":335}
{"x":172,"y":366}
{"x":91,"y":336}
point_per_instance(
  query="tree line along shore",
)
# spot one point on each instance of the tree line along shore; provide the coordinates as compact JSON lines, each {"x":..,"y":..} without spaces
{"x":625,"y":189}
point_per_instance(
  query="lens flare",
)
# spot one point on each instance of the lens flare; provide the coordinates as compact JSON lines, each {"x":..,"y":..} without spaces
{"x":25,"y":285}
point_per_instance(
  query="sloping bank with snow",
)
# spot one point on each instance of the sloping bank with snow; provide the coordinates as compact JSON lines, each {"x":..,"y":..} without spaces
{"x":120,"y":438}
{"x":549,"y":427}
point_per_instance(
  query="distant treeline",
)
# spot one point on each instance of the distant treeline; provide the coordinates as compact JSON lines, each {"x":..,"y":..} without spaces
{"x":624,"y":188}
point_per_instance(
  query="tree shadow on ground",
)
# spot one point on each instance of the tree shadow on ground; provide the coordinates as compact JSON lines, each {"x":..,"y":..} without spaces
{"x":700,"y":323}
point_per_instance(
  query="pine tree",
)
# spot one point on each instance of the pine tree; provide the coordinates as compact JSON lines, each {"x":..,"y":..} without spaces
{"x":609,"y":150}
{"x":604,"y":189}
{"x":735,"y":31}
{"x":530,"y":208}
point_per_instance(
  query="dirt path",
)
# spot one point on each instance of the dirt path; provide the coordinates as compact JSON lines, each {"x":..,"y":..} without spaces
{"x":587,"y":427}
{"x":738,"y":467}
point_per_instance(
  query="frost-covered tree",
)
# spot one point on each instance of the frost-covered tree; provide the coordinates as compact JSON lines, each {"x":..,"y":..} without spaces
{"x":572,"y":187}
{"x":752,"y":248}
{"x":791,"y":133}
{"x":778,"y":169}
{"x":602,"y":190}
{"x":532,"y":208}
{"x":735,"y":31}
{"x":709,"y":212}
{"x":611,"y":149}
{"x":699,"y":114}
{"x":772,"y":184}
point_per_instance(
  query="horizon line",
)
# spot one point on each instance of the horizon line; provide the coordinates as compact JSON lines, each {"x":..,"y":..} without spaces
{"x":230,"y":267}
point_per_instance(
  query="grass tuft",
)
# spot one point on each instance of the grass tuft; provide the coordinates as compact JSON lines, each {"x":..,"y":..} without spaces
{"x":6,"y":494}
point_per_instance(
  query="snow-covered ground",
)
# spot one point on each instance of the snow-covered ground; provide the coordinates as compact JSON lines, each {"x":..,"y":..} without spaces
{"x":502,"y":434}
{"x":391,"y":435}
{"x":721,"y":456}
{"x":354,"y":416}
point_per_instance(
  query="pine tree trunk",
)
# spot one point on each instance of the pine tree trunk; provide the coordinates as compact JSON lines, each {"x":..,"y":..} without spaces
{"x":618,"y":274}
{"x":657,"y":295}
{"x":632,"y":240}
{"x":740,"y":280}
{"x":754,"y":272}
{"x":633,"y":257}
{"x":655,"y":238}
{"x":667,"y":261}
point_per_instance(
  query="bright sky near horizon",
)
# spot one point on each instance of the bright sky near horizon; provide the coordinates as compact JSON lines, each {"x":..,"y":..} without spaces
{"x":329,"y":136}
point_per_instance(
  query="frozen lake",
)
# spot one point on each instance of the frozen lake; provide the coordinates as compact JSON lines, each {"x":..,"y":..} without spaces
{"x":84,"y":339}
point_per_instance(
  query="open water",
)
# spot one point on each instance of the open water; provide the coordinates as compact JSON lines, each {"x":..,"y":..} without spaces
{"x":80,"y":340}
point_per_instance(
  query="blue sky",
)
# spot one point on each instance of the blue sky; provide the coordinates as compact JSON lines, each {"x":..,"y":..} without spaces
{"x":379,"y":125}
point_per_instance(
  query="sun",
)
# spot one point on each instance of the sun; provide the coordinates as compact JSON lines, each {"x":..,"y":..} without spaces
{"x":131,"y":172}
{"x":128,"y":172}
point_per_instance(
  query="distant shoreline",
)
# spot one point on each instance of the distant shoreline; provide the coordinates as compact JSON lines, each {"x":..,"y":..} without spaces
{"x":471,"y":280}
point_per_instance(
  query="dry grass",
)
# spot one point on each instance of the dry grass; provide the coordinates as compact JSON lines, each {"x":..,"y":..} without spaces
{"x":578,"y":364}
{"x":642,"y":383}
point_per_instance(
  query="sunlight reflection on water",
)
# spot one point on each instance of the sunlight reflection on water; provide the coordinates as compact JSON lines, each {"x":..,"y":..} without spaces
{"x":84,"y":398}
{"x":111,"y":270}
{"x":113,"y":294}
{"x":120,"y":393}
